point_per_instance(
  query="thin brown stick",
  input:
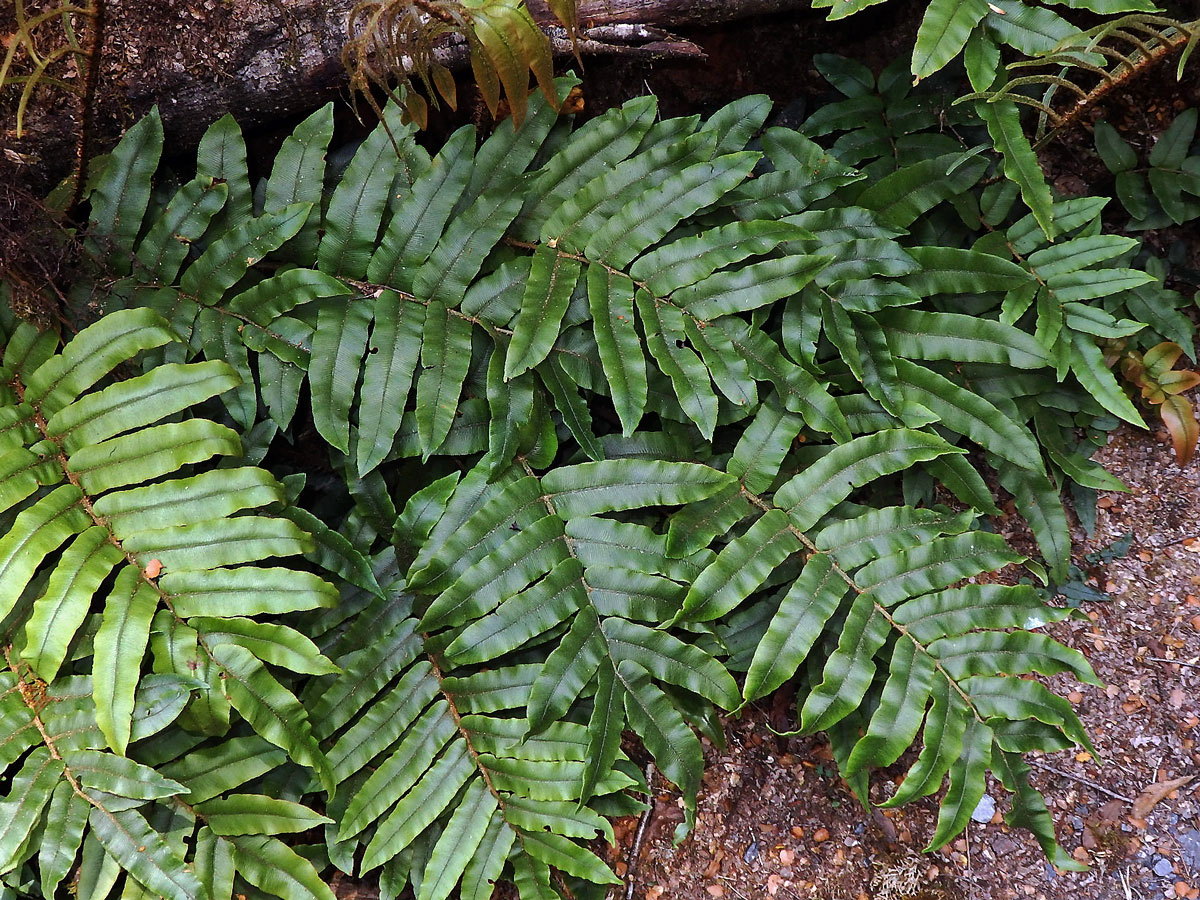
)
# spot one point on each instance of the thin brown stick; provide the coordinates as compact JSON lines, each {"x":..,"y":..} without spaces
{"x":1178,"y":662}
{"x":639,"y":836}
{"x":1080,"y":779}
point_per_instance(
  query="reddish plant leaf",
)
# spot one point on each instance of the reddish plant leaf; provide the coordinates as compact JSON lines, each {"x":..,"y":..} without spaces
{"x":1180,"y":420}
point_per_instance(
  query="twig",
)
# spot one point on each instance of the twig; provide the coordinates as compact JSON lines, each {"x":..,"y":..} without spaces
{"x":1080,"y":779}
{"x":1178,"y":662}
{"x":640,"y":835}
{"x":970,"y":867}
{"x":736,"y":892}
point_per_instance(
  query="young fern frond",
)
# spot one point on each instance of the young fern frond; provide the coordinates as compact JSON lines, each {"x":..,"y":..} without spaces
{"x":1114,"y":52}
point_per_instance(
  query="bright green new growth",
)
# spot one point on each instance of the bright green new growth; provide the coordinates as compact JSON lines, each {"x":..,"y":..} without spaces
{"x":613,"y":414}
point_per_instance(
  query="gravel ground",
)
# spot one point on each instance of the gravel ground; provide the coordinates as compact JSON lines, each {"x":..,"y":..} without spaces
{"x":775,"y":820}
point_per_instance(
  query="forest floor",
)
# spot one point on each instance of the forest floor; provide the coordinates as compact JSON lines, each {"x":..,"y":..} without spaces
{"x":775,"y":820}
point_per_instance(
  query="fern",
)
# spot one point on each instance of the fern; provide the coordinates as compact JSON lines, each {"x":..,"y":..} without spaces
{"x":393,"y":41}
{"x":613,"y":415}
{"x":1088,"y":65}
{"x":105,"y":558}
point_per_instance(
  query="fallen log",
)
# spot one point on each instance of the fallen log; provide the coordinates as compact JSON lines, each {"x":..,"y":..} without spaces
{"x":265,"y":60}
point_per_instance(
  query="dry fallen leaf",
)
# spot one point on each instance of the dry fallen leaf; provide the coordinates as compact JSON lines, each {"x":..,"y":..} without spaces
{"x":773,"y":884}
{"x":654,"y":892}
{"x":714,"y":867}
{"x":1152,"y":795}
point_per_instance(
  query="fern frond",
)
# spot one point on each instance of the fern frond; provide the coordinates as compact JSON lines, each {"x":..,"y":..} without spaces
{"x":95,"y":488}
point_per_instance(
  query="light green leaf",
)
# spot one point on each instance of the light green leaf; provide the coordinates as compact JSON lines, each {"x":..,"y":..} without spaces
{"x":245,"y":591}
{"x":256,"y":814}
{"x":269,"y":864}
{"x":66,"y":819}
{"x":279,"y":645}
{"x":944,"y":30}
{"x":150,"y":453}
{"x":120,"y":645}
{"x":143,"y":852}
{"x":26,"y":797}
{"x":118,"y":775}
{"x":272,"y":711}
{"x":459,"y":841}
{"x":60,"y":610}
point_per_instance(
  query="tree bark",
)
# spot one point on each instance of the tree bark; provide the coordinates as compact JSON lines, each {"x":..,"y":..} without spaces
{"x":265,"y":60}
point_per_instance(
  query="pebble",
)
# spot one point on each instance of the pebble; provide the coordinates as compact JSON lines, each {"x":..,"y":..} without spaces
{"x":1163,"y":868}
{"x":820,"y":835}
{"x":1077,"y":823}
{"x":1189,"y":846}
{"x":751,"y":853}
{"x":985,"y":809}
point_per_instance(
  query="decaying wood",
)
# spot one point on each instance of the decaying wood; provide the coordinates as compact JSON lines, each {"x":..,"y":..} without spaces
{"x":264,"y":60}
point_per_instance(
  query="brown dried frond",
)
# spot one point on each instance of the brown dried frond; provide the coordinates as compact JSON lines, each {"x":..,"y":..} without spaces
{"x":393,"y":43}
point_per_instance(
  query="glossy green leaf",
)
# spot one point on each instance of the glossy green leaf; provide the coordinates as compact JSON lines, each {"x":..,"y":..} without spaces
{"x":944,"y":31}
{"x":830,"y":480}
{"x":256,"y":814}
{"x":272,"y":711}
{"x":120,"y":645}
{"x":391,"y":361}
{"x":272,"y":866}
{"x":806,"y":607}
{"x":142,"y":852}
{"x":552,"y":279}
{"x":119,"y":201}
{"x":610,"y":300}
{"x":338,"y":347}
{"x":458,"y":843}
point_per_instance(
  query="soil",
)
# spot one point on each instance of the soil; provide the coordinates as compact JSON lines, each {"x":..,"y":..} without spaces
{"x":775,"y":819}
